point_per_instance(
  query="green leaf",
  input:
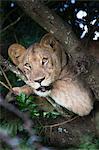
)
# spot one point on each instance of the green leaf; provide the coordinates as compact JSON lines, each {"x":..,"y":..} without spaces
{"x":12,"y":127}
{"x":21,"y":98}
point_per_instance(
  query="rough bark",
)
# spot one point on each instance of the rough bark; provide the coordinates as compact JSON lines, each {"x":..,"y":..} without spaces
{"x":50,"y":21}
{"x":72,"y":132}
{"x":12,"y":68}
{"x":84,"y":65}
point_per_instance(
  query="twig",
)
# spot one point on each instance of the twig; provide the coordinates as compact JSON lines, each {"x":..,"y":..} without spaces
{"x":13,"y":23}
{"x":6,"y":78}
{"x":58,"y":124}
{"x":8,"y":14}
{"x":5,"y":85}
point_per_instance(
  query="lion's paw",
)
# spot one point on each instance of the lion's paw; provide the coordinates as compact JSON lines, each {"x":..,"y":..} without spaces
{"x":17,"y":90}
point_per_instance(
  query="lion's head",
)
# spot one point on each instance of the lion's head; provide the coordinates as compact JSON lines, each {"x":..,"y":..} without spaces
{"x":41,"y":63}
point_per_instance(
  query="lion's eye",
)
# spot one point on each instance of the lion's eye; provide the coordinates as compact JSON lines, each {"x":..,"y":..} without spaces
{"x":44,"y":61}
{"x":27,"y":66}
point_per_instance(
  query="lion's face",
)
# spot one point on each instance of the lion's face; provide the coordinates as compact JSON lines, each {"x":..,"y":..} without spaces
{"x":41,"y":64}
{"x":41,"y":67}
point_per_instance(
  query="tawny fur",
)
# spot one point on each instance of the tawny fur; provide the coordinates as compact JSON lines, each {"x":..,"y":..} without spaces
{"x":47,"y":61}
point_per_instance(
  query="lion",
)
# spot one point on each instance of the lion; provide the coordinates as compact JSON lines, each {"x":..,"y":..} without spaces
{"x":48,"y":74}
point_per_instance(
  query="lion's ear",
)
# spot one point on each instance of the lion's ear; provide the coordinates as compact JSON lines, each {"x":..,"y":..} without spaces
{"x":16,"y":52}
{"x":49,"y":40}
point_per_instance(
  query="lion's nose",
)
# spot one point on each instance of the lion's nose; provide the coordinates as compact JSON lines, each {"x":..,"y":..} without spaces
{"x":39,"y":80}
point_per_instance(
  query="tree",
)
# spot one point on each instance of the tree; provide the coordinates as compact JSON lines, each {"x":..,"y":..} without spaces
{"x":85,"y":65}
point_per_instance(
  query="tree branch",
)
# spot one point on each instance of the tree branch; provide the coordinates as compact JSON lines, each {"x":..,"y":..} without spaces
{"x":12,"y":68}
{"x":50,"y":21}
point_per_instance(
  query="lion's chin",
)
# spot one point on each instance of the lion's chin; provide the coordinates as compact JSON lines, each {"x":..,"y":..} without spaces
{"x":43,"y":90}
{"x":42,"y":94}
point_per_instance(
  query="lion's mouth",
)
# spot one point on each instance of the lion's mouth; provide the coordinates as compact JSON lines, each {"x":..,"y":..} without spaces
{"x":44,"y":88}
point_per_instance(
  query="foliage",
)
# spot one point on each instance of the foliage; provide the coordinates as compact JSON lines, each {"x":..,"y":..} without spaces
{"x":12,"y":127}
{"x":89,"y":143}
{"x":52,"y":114}
{"x":27,"y":103}
{"x":20,"y":143}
